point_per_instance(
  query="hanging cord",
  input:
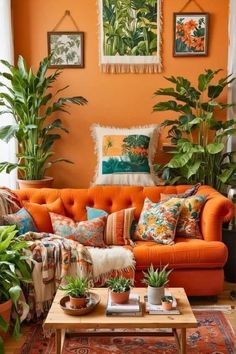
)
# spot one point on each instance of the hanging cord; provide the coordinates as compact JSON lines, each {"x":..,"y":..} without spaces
{"x":188,"y":2}
{"x":67,"y":13}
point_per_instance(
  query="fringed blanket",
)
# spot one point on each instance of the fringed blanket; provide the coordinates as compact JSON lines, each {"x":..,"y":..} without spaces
{"x":54,"y":257}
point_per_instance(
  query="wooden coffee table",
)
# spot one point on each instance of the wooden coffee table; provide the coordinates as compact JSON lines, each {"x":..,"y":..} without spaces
{"x":97,"y":319}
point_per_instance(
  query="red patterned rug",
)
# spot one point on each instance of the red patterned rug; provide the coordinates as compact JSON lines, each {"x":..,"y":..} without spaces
{"x":212,"y":336}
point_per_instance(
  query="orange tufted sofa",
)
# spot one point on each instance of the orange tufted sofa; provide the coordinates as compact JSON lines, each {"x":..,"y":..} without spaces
{"x":198,"y":264}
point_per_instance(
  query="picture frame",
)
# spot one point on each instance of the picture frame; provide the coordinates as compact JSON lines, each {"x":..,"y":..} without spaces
{"x":66,"y":49}
{"x":190,"y":34}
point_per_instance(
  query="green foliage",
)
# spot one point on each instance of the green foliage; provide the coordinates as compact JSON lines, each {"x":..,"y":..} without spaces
{"x":198,"y":136}
{"x":14,"y":269}
{"x":76,"y":286}
{"x":156,"y":277}
{"x":130,"y":27}
{"x":26,"y":96}
{"x":119,"y":284}
{"x":167,"y":298}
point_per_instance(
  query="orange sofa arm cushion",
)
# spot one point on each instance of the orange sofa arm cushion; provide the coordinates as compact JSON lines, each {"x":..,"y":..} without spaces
{"x":216,"y":211}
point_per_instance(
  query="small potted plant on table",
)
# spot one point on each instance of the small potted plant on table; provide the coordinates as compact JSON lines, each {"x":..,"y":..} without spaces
{"x":119,"y":289}
{"x":156,"y":280}
{"x":167,"y":302}
{"x":78,"y":290}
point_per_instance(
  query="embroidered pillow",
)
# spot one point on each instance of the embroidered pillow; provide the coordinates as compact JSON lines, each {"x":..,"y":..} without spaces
{"x":118,"y":225}
{"x":125,"y":156}
{"x":188,"y":223}
{"x":158,"y":221}
{"x":23,"y":221}
{"x":89,"y":233}
{"x":40,"y":213}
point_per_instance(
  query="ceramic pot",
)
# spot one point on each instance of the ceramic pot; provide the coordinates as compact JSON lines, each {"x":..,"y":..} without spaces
{"x":5,"y":313}
{"x":155,"y":295}
{"x":120,"y":298}
{"x":167,"y":306}
{"x":78,"y":302}
{"x":37,"y":183}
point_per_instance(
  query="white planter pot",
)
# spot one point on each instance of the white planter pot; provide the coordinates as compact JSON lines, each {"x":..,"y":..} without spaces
{"x":155,"y":295}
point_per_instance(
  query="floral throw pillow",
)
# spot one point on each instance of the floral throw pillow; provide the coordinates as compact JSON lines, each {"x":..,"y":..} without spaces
{"x":89,"y":232}
{"x":118,"y":225}
{"x":158,"y":221}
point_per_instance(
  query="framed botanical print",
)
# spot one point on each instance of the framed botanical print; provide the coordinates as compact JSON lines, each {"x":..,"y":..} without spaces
{"x":66,"y":49}
{"x":190,"y":34}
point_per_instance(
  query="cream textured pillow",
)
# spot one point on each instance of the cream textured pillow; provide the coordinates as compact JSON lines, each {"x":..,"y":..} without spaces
{"x":125,"y":156}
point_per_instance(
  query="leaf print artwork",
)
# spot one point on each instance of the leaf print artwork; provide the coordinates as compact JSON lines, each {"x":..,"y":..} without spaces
{"x":125,"y":154}
{"x":190,"y":34}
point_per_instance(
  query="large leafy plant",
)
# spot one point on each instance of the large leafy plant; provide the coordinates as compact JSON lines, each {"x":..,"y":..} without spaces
{"x":28,"y":98}
{"x":14,"y":271}
{"x":198,"y":135}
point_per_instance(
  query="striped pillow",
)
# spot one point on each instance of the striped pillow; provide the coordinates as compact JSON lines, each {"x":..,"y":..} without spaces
{"x":118,"y":225}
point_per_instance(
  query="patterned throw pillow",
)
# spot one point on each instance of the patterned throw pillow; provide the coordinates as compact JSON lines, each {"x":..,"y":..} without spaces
{"x":158,"y":221}
{"x":118,"y":225}
{"x":125,"y":156}
{"x":188,"y":223}
{"x":23,"y":221}
{"x":89,"y":233}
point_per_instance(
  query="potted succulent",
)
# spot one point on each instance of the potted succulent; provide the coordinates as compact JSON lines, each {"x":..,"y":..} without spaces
{"x":198,"y":136}
{"x":78,"y":290}
{"x":119,"y":289}
{"x":14,"y":270}
{"x":27,"y":96}
{"x":166,"y":302}
{"x":156,"y":279}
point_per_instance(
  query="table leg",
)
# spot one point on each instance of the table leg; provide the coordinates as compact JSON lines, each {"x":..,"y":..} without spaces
{"x":59,"y":339}
{"x":183,"y":341}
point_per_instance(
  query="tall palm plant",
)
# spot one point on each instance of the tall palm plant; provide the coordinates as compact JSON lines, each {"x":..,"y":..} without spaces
{"x":28,"y":98}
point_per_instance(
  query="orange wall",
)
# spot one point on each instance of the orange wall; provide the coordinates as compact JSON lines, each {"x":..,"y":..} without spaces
{"x":118,"y":100}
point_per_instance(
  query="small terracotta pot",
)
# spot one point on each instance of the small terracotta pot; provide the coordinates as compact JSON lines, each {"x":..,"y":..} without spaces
{"x":5,"y":313}
{"x":37,"y":183}
{"x":78,"y":302}
{"x":167,"y":306}
{"x":120,"y":298}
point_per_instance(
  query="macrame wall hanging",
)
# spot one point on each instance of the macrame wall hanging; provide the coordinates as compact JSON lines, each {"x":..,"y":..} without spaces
{"x":190,"y":32}
{"x":130,"y":36}
{"x":66,"y":47}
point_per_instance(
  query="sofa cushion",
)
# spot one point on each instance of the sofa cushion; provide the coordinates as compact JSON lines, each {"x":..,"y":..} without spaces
{"x":23,"y":221}
{"x":125,"y":156}
{"x":40,"y":213}
{"x":158,"y":221}
{"x":89,"y":233}
{"x":188,"y":222}
{"x":118,"y":225}
{"x":185,"y":253}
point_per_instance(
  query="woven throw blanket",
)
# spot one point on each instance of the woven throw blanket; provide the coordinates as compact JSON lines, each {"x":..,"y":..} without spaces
{"x":114,"y":260}
{"x":53,"y":257}
{"x":9,"y":203}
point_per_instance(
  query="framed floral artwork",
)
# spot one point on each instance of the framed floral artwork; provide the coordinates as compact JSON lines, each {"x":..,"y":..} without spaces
{"x":190,"y":34}
{"x":66,"y":49}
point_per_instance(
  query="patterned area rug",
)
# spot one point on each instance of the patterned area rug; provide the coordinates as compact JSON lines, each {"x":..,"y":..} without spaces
{"x":212,"y":336}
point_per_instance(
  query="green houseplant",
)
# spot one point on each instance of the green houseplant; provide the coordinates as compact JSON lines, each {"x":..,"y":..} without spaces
{"x":14,"y":270}
{"x":198,"y":136}
{"x":26,"y":95}
{"x":166,"y":302}
{"x":77,"y":288}
{"x":156,"y":279}
{"x":119,"y":289}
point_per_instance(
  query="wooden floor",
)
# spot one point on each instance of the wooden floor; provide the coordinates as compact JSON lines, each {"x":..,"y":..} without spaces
{"x":13,"y":346}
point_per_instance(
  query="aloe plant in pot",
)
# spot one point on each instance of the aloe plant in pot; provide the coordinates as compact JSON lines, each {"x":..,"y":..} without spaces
{"x":14,"y":270}
{"x":198,"y":135}
{"x":27,"y":96}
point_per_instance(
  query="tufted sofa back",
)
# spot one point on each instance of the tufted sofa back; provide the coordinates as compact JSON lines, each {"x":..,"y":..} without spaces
{"x":109,"y":198}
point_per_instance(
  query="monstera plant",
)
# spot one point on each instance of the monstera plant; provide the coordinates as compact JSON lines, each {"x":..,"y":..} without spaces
{"x":199,"y":137}
{"x":28,"y":97}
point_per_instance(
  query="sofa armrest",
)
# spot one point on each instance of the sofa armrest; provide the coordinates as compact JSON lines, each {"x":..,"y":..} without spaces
{"x":216,"y":211}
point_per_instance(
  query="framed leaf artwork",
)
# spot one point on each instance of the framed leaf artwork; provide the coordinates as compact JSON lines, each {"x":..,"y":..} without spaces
{"x":66,"y":49}
{"x":190,"y":34}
